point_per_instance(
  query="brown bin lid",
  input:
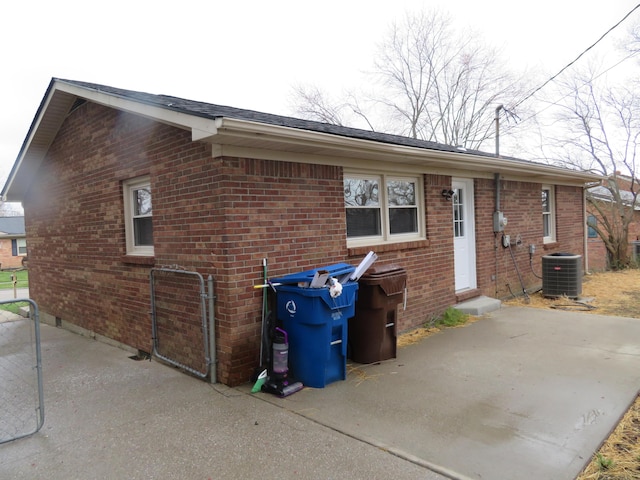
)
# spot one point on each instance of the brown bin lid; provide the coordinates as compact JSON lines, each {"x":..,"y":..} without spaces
{"x":392,"y":279}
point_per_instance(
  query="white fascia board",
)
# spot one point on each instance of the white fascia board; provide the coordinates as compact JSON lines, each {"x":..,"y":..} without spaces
{"x":55,"y":108}
{"x":201,"y":127}
{"x":41,"y":133}
{"x":434,"y":159}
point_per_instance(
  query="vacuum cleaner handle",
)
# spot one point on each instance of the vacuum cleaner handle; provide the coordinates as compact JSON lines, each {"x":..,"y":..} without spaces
{"x":286,"y":337}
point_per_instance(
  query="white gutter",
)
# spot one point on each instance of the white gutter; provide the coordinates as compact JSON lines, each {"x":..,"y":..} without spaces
{"x":268,"y":138}
{"x":229,"y":128}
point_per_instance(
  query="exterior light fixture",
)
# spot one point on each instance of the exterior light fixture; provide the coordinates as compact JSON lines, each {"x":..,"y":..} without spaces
{"x":447,"y":194}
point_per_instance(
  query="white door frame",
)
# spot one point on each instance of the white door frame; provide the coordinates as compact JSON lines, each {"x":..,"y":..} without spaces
{"x":464,"y":231}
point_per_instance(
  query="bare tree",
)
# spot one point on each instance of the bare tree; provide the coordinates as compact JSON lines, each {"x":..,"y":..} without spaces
{"x":430,"y":82}
{"x":314,"y":104}
{"x":601,"y":128}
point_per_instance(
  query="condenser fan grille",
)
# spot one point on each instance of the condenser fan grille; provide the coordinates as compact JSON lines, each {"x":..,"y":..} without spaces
{"x":562,"y":275}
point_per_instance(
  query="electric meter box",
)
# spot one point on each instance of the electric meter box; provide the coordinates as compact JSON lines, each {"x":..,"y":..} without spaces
{"x":499,"y":221}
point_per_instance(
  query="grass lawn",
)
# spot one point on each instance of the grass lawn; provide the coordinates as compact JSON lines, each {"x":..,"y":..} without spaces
{"x":13,"y":307}
{"x":6,"y":280}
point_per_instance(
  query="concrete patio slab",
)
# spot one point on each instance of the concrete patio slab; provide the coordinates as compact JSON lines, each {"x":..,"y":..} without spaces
{"x":522,"y":393}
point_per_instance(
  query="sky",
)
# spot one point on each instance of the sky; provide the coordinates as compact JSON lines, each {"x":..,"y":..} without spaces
{"x":251,"y":53}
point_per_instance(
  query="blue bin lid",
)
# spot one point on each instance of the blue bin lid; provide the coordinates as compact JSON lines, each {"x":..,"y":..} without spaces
{"x":338,"y":271}
{"x":346,"y":300}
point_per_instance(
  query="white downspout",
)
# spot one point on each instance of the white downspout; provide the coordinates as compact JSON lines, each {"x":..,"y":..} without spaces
{"x":585,"y":230}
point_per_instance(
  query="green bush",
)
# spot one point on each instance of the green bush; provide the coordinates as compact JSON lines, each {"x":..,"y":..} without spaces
{"x":451,"y":317}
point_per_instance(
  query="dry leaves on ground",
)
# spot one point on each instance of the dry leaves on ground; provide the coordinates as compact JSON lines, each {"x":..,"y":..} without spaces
{"x":609,"y":293}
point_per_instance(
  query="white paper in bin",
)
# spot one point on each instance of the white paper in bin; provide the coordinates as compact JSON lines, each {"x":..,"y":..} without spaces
{"x":364,"y":265}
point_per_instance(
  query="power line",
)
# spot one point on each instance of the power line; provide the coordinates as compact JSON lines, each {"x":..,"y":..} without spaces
{"x":575,"y":89}
{"x":577,"y":58}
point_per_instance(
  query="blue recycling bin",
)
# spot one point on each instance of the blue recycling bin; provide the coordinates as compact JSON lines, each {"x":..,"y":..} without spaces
{"x":316,"y":324}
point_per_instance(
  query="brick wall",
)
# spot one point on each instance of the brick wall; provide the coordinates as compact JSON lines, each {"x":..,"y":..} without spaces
{"x":598,"y":256}
{"x":215,"y":216}
{"x":499,"y":272}
{"x":7,"y":258}
{"x":221,"y":217}
{"x":290,"y":214}
{"x":74,"y":223}
{"x":429,"y":264}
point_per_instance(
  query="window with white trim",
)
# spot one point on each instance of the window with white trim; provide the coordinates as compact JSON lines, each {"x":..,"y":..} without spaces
{"x":592,"y":223}
{"x":19,"y":247}
{"x":21,"y":244}
{"x":383,"y":208}
{"x":138,"y":216}
{"x":548,"y":215}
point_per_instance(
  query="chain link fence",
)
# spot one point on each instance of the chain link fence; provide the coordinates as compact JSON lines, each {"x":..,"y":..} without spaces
{"x":21,"y":396}
{"x":179,"y":319}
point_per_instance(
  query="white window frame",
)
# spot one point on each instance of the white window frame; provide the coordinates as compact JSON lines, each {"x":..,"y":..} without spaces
{"x":549,"y":216}
{"x":21,"y":247}
{"x":128,"y":187}
{"x":386,"y":237}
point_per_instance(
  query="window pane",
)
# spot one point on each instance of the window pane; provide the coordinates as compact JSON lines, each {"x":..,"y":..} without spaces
{"x":545,"y":200}
{"x":142,"y":201}
{"x":22,"y":246}
{"x":592,"y":222}
{"x":403,"y":220}
{"x":545,"y":226}
{"x":138,"y":216}
{"x":363,"y":222}
{"x":401,"y":193}
{"x":458,"y":213}
{"x":143,"y":231}
{"x":360,"y":192}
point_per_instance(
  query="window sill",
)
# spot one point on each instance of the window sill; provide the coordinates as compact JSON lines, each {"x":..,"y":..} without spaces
{"x":138,"y":260}
{"x":387,"y":247}
{"x":550,"y":246}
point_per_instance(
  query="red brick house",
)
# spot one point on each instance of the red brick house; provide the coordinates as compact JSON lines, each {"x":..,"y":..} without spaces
{"x":13,"y":242}
{"x":597,"y":252}
{"x":117,"y":183}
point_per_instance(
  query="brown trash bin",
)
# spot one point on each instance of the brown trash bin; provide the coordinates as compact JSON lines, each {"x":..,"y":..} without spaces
{"x":373,"y":330}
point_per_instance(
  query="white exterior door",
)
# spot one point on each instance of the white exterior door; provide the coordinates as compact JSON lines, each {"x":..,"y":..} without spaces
{"x":464,"y":241}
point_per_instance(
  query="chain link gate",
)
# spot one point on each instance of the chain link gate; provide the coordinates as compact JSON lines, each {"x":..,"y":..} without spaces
{"x":179,"y":319}
{"x":21,"y":396}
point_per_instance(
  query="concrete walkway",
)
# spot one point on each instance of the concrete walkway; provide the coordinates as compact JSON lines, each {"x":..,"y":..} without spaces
{"x":8,"y":295}
{"x":11,"y":294}
{"x":110,"y":417}
{"x":520,"y":394}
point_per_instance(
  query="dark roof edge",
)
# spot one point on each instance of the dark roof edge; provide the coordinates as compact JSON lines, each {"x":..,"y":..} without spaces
{"x":212,"y":111}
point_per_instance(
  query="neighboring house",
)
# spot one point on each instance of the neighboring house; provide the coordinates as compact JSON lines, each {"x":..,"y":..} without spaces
{"x":117,"y":183}
{"x":598,"y":256}
{"x":13,"y":242}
